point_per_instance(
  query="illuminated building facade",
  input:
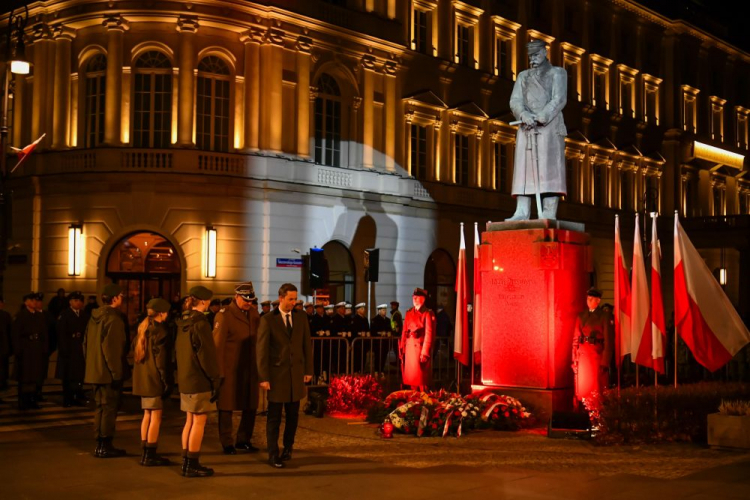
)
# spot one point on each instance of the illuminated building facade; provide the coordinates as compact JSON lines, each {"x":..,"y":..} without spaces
{"x":201,"y":142}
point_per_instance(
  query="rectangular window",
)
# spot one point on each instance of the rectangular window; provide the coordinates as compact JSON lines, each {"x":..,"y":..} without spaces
{"x":463,"y":45}
{"x":653,"y":194}
{"x":501,"y":167}
{"x":419,"y":151}
{"x":600,"y":90}
{"x":651,"y":103}
{"x":717,"y":118}
{"x":503,"y":57}
{"x":626,"y":98}
{"x":95,"y":110}
{"x":328,"y":132}
{"x":461,"y":156}
{"x":570,"y":179}
{"x":572,"y":69}
{"x":596,"y":188}
{"x":420,"y":32}
{"x":719,"y":198}
{"x":152,"y":110}
{"x":627,"y":191}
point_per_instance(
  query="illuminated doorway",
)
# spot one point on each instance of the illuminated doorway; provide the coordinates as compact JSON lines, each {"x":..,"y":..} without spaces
{"x":340,"y":275}
{"x":146,"y":265}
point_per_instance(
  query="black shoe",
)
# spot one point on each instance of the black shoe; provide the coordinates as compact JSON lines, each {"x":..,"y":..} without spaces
{"x":184,"y":465}
{"x":193,"y":468}
{"x":151,"y":459}
{"x":230,"y":450}
{"x":286,"y":455}
{"x":98,"y":449}
{"x":246,"y":447}
{"x":143,"y":456}
{"x":109,"y":451}
{"x":275,"y":462}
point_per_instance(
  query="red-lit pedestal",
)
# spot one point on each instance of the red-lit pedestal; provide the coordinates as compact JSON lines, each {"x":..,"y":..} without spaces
{"x":534,"y":282}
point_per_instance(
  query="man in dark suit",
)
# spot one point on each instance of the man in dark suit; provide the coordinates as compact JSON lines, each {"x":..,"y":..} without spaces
{"x":285,"y":364}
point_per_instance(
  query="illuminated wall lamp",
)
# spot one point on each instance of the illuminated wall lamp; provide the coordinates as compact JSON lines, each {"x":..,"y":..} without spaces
{"x":75,"y":250}
{"x":722,"y":276}
{"x":209,"y":252}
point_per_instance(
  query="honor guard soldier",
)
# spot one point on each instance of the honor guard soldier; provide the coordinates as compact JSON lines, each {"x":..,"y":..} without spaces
{"x":361,"y":348}
{"x":360,"y":324}
{"x":320,"y":323}
{"x":330,"y":310}
{"x":265,"y":307}
{"x":592,"y":347}
{"x":298,"y":306}
{"x":29,"y":334}
{"x":416,"y":342}
{"x":397,"y":321}
{"x":71,"y":364}
{"x":235,"y":335}
{"x":274,"y":305}
{"x":339,"y":322}
{"x":197,"y":377}
{"x":106,"y":346}
{"x":380,"y":326}
{"x":308,"y":307}
{"x":152,"y":376}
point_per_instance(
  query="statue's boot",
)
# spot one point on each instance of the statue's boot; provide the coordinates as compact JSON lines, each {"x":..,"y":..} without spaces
{"x":523,"y":208}
{"x":549,"y":207}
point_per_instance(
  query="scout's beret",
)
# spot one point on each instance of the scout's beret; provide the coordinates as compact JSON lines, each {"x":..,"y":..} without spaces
{"x":201,"y":293}
{"x":75,"y":296}
{"x":420,"y":292}
{"x":535,"y":46}
{"x":594,"y":292}
{"x":361,"y":304}
{"x":329,"y":307}
{"x":245,"y":290}
{"x":159,"y":305}
{"x":341,"y":304}
{"x":395,"y":302}
{"x":112,"y":290}
{"x":383,"y":306}
{"x":266,"y":303}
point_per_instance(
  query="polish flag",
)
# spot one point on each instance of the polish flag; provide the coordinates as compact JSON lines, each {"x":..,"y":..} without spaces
{"x":477,"y":296}
{"x":658,"y":326}
{"x":622,"y":300}
{"x":461,"y":338}
{"x":640,"y":326}
{"x":24,"y":153}
{"x":704,"y":317}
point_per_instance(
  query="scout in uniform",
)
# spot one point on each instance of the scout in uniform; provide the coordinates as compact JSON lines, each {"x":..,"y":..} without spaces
{"x":235,"y":334}
{"x":362,"y":348}
{"x":592,"y":347}
{"x":106,"y":348}
{"x":197,"y":376}
{"x":71,"y":364}
{"x":416,"y":342}
{"x":380,"y":326}
{"x":397,"y":321}
{"x":30,"y":342}
{"x":152,"y":376}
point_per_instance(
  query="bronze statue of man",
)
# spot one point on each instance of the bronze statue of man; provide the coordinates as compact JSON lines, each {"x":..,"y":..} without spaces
{"x":537,"y":101}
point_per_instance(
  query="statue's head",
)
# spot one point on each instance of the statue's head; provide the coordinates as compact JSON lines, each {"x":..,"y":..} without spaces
{"x":537,"y":50}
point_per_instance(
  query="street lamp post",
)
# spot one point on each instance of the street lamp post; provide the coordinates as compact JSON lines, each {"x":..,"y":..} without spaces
{"x":15,"y":62}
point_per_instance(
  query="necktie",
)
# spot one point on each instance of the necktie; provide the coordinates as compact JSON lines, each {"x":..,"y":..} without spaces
{"x":288,"y":320}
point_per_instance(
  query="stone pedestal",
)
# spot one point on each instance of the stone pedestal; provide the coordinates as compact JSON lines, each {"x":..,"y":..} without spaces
{"x":534,"y":277}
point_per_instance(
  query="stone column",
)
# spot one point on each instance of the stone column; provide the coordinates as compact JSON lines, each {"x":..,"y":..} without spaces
{"x":408,"y":120}
{"x":303,"y":96}
{"x":43,"y":46}
{"x":368,"y":110}
{"x":252,"y":39}
{"x":187,"y":27}
{"x":272,"y":53}
{"x":61,"y":101}
{"x":116,"y":26}
{"x":391,"y":107}
{"x":312,"y":96}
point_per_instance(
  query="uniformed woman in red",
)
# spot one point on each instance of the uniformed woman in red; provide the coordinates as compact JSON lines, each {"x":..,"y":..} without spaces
{"x":592,"y":347}
{"x":416,"y":342}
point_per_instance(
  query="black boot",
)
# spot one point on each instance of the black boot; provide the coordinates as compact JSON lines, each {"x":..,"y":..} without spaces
{"x":193,"y":468}
{"x":98,"y":450}
{"x":109,"y":451}
{"x":151,"y":459}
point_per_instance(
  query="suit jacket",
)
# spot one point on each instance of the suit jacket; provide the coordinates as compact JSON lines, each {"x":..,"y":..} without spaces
{"x":284,"y":360}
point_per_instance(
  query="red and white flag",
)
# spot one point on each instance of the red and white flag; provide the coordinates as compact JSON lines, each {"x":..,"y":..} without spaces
{"x":704,"y":317}
{"x":622,"y":300}
{"x":24,"y":153}
{"x":640,"y":306}
{"x":477,"y":301}
{"x":658,"y":325}
{"x":461,"y":336}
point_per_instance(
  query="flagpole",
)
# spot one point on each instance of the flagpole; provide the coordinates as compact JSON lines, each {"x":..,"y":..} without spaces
{"x":674,"y":322}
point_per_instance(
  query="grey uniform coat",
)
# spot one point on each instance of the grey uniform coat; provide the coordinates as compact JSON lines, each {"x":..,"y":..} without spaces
{"x":284,"y":360}
{"x":541,"y":91}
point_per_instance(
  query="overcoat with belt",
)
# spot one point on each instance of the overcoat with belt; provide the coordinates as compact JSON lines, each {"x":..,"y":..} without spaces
{"x":283,"y":359}
{"x":416,"y":340}
{"x":235,"y":336}
{"x":541,"y":91}
{"x":30,"y":344}
{"x":71,"y":328}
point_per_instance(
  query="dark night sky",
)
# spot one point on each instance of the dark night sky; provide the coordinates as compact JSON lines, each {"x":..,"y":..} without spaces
{"x":722,"y":18}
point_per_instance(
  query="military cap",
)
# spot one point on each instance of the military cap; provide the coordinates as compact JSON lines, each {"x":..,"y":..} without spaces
{"x":361,"y":304}
{"x":535,"y":46}
{"x":112,"y":290}
{"x":245,"y":290}
{"x":226,"y":301}
{"x":29,"y":296}
{"x":159,"y":305}
{"x":594,"y":292}
{"x":396,"y":302}
{"x":275,"y":303}
{"x":329,"y":307}
{"x":298,"y":303}
{"x":348,"y":305}
{"x":383,"y":306}
{"x":319,"y":305}
{"x":266,"y":303}
{"x":201,"y":293}
{"x":341,"y":304}
{"x":308,"y":304}
{"x":75,"y":296}
{"x":420,"y":292}
{"x":39,"y":296}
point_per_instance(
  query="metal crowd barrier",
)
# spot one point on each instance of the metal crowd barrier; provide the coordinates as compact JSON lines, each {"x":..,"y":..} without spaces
{"x":330,"y":357}
{"x":376,"y":355}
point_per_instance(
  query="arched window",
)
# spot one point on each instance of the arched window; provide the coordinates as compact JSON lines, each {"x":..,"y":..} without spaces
{"x":328,"y":122}
{"x":152,"y":108}
{"x":212,"y":106}
{"x":96,"y":70}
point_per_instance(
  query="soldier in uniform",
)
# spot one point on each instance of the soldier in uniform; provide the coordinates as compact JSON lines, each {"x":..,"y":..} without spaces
{"x":339,"y":323}
{"x":6,"y":324}
{"x":362,"y":348}
{"x":330,"y":311}
{"x":592,"y":347}
{"x":235,"y":335}
{"x":213,"y":308}
{"x":319,"y":323}
{"x":380,"y":326}
{"x":397,"y":321}
{"x":106,"y":348}
{"x":29,"y":333}
{"x":309,"y":309}
{"x":197,"y":377}
{"x":71,"y":364}
{"x":58,"y":303}
{"x":265,"y":307}
{"x":152,"y":376}
{"x":298,"y":306}
{"x":416,"y":342}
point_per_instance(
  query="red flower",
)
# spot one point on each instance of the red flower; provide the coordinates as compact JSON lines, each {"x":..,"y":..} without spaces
{"x":456,"y":413}
{"x":515,"y":411}
{"x":507,"y":414}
